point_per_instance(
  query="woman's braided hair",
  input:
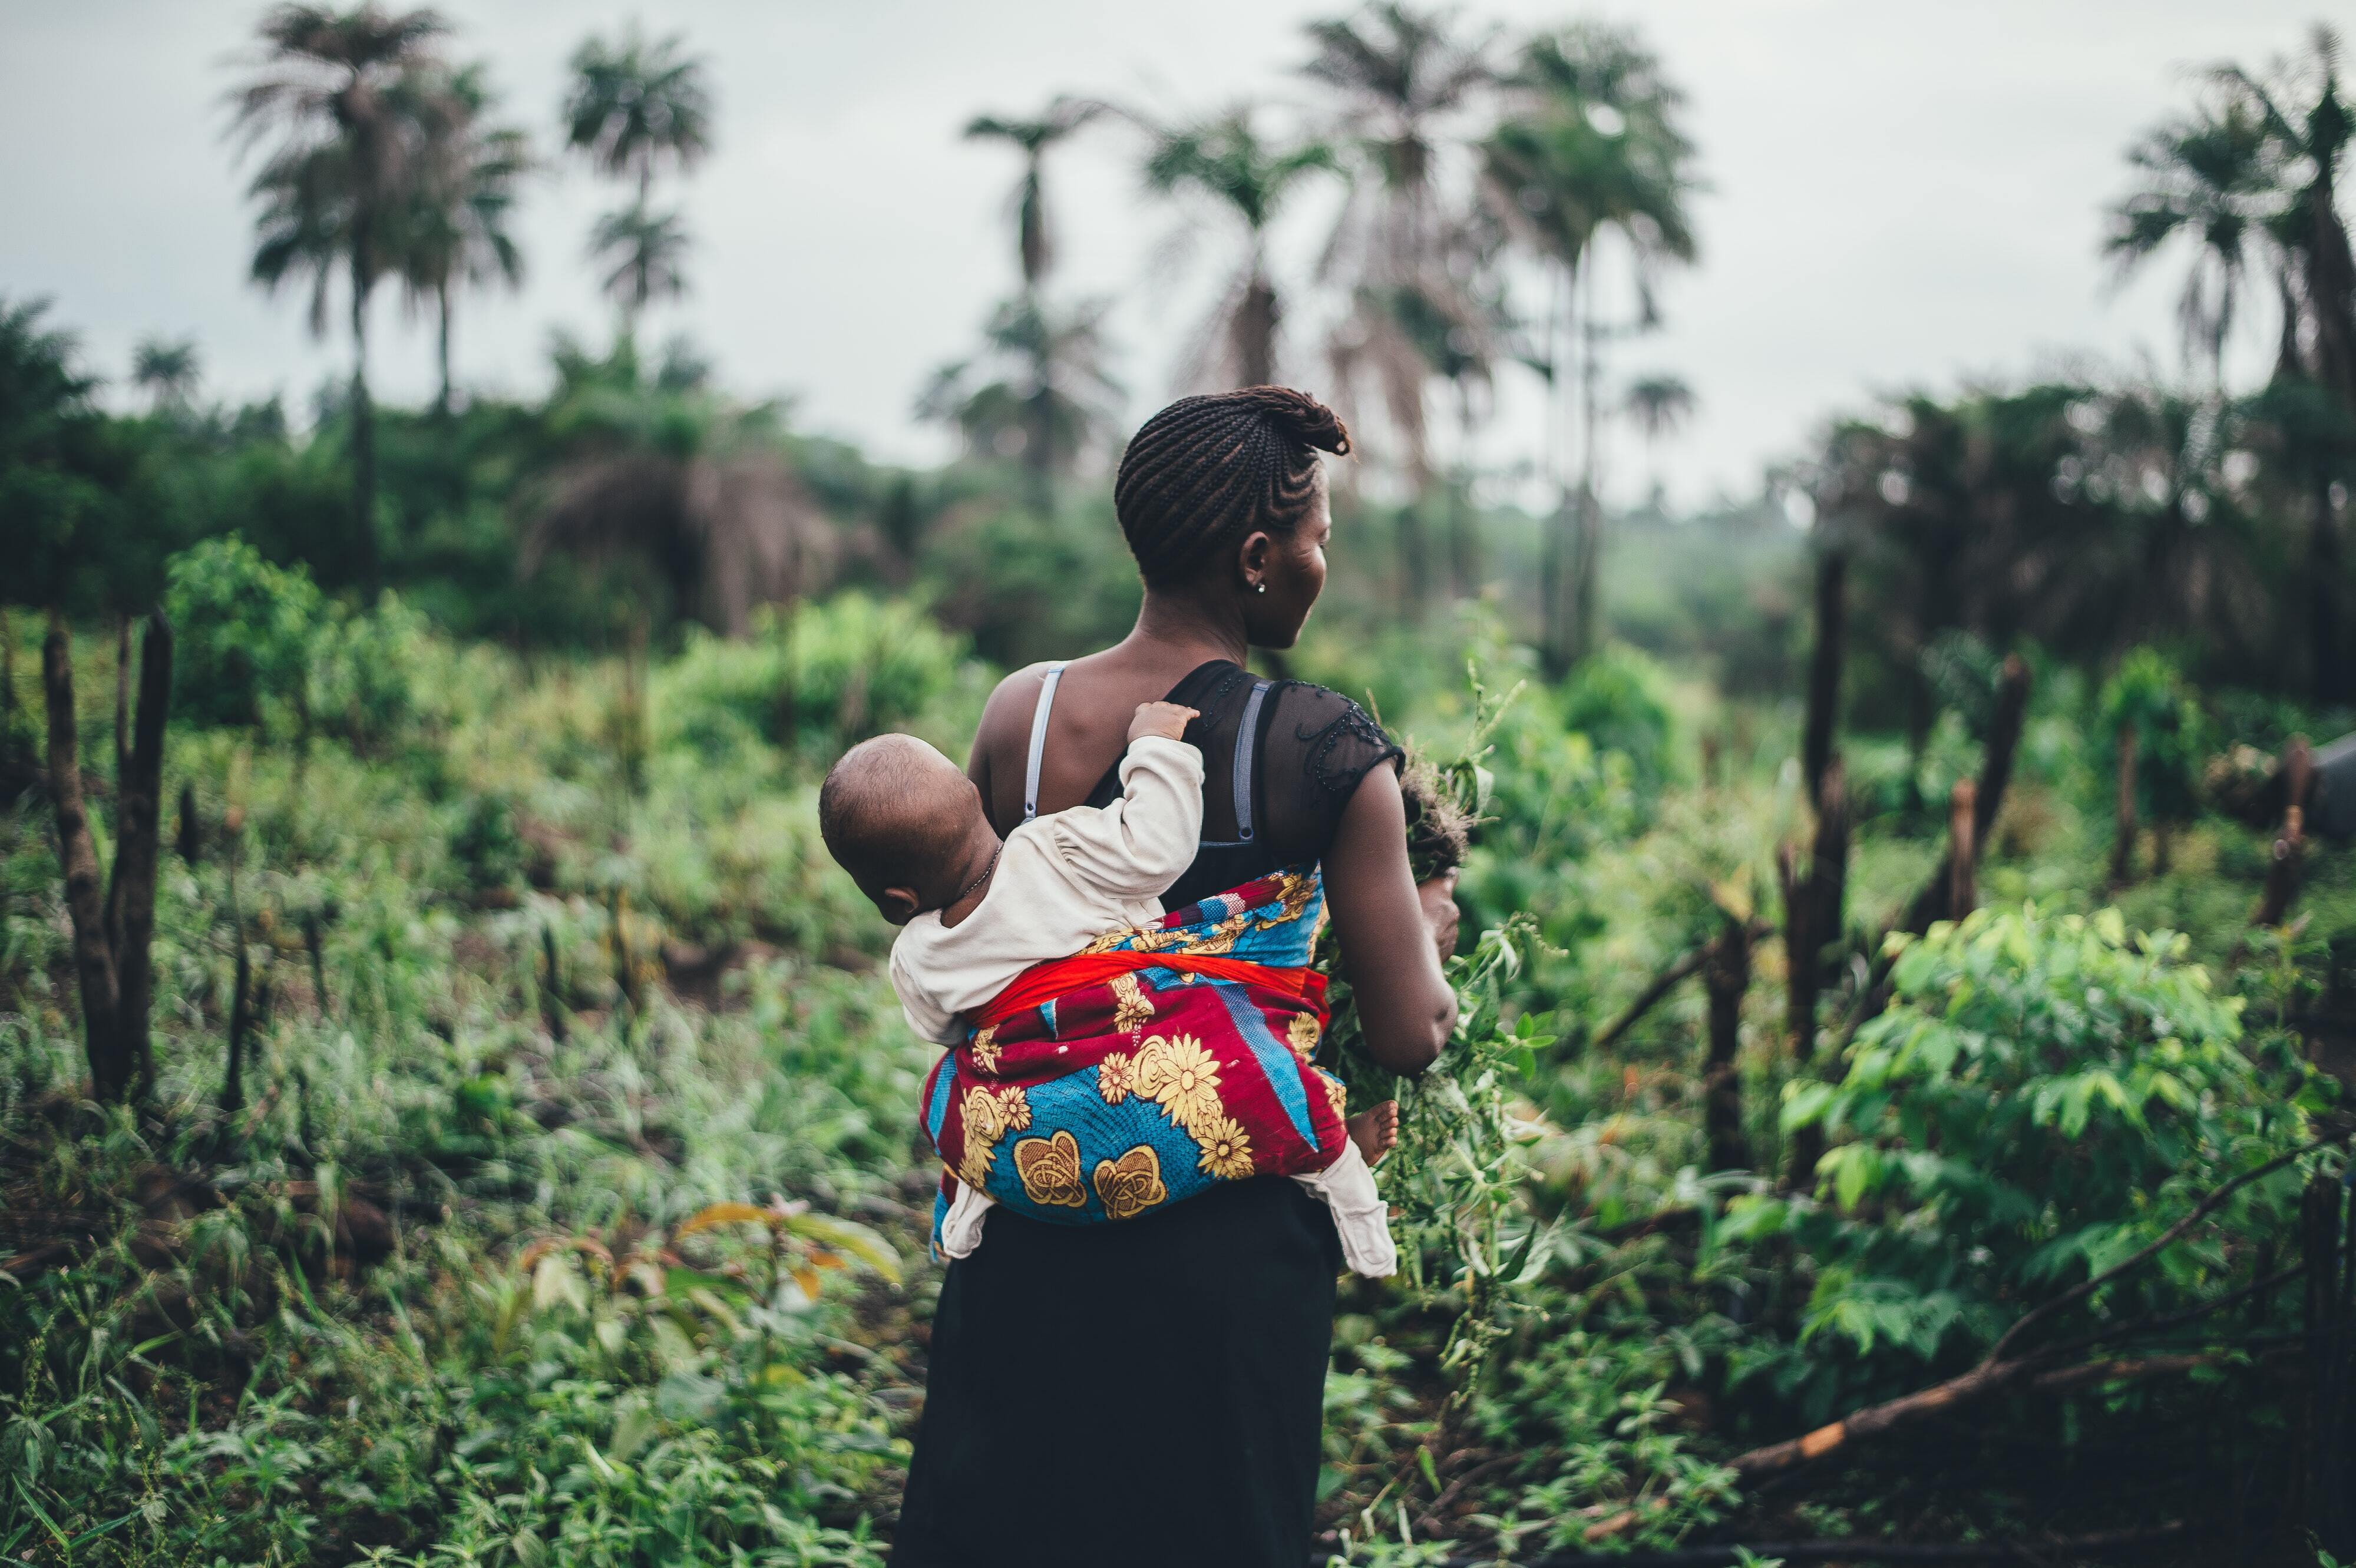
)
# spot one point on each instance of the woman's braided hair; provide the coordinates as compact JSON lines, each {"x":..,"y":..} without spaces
{"x":1206,"y":471}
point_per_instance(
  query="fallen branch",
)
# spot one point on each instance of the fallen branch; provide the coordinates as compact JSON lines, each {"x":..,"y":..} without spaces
{"x":1646,"y":999}
{"x":1661,"y":985}
{"x":2140,"y":1326}
{"x":2201,"y":1212}
{"x":1999,"y":1368}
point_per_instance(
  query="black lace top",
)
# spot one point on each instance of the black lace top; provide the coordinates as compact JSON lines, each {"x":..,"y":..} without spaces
{"x":1310,"y":749}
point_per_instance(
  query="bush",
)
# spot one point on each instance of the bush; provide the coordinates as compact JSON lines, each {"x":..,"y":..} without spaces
{"x":815,"y":678}
{"x":1619,"y":699}
{"x":2044,"y":1096}
{"x":258,"y":645}
{"x":243,"y":631}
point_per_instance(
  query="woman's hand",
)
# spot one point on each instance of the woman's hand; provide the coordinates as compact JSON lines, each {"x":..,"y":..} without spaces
{"x":1438,"y":898}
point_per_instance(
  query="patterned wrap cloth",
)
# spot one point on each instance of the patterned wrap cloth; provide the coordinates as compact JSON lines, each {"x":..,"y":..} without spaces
{"x":1148,"y":1067}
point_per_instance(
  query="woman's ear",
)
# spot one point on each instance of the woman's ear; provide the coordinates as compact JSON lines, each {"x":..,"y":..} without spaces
{"x":1252,"y":560}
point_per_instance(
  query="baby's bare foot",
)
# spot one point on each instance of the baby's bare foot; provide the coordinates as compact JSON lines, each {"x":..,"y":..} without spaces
{"x":1375,"y":1130}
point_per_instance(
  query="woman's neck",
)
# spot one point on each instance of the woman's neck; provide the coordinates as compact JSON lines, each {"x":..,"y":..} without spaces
{"x":1172,"y":621}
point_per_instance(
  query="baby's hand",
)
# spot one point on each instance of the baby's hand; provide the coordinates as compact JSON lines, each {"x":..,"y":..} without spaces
{"x":1166,"y":719}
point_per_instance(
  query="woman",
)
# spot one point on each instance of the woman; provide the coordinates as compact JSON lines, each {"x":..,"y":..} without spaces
{"x":1150,"y":1392}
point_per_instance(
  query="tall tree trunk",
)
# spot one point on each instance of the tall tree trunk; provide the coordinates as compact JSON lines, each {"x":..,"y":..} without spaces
{"x":1587,"y":633}
{"x":364,"y":553}
{"x":1463,"y":530}
{"x":1554,"y":636}
{"x":1253,"y":333}
{"x":442,"y":343}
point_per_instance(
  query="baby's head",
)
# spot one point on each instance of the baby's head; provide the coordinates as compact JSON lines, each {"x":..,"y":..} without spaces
{"x":903,"y":820}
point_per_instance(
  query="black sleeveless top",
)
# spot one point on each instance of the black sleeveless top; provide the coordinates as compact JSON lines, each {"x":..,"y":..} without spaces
{"x":1310,"y":748}
{"x":1150,"y":1394}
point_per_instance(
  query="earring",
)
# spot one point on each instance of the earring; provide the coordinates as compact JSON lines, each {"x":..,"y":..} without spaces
{"x":1260,"y":588}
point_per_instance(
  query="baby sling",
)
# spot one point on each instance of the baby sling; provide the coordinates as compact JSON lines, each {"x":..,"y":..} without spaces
{"x":1155,"y":1064}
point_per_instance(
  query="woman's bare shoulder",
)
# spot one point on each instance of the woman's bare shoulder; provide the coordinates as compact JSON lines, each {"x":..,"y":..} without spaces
{"x":1012,"y":699}
{"x":1005,"y":718}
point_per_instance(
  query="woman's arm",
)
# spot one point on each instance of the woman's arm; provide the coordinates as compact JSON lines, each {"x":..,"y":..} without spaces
{"x":1393,"y":935}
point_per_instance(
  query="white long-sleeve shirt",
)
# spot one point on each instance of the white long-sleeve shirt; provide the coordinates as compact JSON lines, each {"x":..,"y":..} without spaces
{"x":1063,"y":880}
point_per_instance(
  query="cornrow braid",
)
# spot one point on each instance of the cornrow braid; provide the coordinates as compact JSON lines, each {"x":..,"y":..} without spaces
{"x":1206,"y":471}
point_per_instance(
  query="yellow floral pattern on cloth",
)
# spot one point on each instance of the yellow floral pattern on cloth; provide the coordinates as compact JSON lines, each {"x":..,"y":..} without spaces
{"x":1226,"y":1149}
{"x":1183,"y":1077}
{"x":990,"y":1115}
{"x":1112,"y":1077}
{"x":1296,"y":888}
{"x":1337,"y":1096}
{"x":1131,"y":1008}
{"x":1130,"y":1185}
{"x":985,"y":1048}
{"x":1302,"y":1034}
{"x":1050,"y":1169}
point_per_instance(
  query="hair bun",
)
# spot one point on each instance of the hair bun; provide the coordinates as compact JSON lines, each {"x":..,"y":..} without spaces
{"x":1299,"y":416}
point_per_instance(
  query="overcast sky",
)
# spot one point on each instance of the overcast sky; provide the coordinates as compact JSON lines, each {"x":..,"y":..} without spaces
{"x":1900,"y":195}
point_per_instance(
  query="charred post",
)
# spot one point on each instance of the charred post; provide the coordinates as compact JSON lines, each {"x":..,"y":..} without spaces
{"x":2290,"y":845}
{"x":1726,"y":972}
{"x":1824,"y":672}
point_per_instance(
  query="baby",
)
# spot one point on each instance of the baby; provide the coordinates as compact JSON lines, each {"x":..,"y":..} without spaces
{"x":907,"y":825}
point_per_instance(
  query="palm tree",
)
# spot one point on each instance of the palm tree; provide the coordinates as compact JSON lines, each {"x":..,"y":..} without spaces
{"x":1033,"y":238}
{"x":2203,"y":180}
{"x":167,"y":371}
{"x":1659,"y":404}
{"x":1401,"y":78}
{"x":2309,"y":125}
{"x":635,"y":104}
{"x":1040,"y":389}
{"x":648,"y":253}
{"x":455,"y":230}
{"x":344,"y":92}
{"x":1226,"y":161}
{"x":1593,"y":146}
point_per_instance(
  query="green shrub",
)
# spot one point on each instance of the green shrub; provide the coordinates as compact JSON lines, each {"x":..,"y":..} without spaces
{"x":2044,"y":1096}
{"x":244,"y":632}
{"x":258,"y":645}
{"x":1619,"y":699}
{"x":814,"y":679}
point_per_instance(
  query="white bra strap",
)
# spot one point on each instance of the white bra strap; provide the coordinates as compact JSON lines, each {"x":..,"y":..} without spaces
{"x":1039,"y":740}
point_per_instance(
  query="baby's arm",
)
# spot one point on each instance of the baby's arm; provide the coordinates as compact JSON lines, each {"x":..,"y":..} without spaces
{"x":1136,"y":847}
{"x":926,"y":1016}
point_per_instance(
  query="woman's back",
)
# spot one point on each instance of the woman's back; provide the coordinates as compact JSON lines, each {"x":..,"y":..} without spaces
{"x":1309,"y":748}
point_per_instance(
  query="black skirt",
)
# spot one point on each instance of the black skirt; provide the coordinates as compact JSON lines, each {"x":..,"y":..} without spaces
{"x":1142,"y":1394}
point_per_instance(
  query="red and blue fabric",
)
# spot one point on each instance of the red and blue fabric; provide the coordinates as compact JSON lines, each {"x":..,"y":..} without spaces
{"x":1155,"y":1064}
